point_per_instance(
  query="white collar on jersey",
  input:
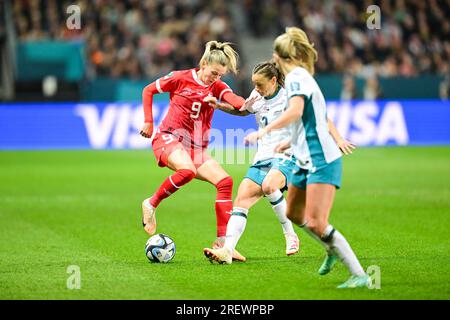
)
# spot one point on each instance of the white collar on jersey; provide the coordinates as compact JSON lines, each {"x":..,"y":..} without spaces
{"x":195,"y":76}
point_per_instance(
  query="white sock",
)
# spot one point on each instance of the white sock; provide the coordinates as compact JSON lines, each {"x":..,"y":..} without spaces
{"x":235,"y":227}
{"x":316,"y":237}
{"x":337,"y":241}
{"x":279,"y":206}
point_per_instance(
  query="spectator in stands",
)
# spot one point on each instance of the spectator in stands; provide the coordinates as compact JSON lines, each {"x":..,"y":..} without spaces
{"x":372,"y":89}
{"x":444,"y":88}
{"x":349,"y":91}
{"x":136,"y":39}
{"x":131,"y":38}
{"x":404,"y":46}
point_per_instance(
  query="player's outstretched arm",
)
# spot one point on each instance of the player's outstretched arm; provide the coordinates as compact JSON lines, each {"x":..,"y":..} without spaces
{"x":346,"y":146}
{"x":292,"y":114}
{"x":233,"y":99}
{"x":225,"y":107}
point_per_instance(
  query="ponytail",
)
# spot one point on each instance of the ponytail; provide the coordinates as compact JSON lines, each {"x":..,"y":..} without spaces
{"x":294,"y":45}
{"x":269,"y":70}
{"x":221,"y":53}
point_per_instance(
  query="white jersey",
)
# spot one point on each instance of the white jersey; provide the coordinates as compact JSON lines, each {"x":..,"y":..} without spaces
{"x":312,"y":143}
{"x":267,"y":110}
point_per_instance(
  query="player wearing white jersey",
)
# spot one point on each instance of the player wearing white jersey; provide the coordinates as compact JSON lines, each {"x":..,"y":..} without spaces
{"x":313,"y":185}
{"x":270,"y":173}
{"x":267,"y":110}
{"x":271,"y":170}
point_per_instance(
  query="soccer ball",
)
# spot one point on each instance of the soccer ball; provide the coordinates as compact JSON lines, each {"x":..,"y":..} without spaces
{"x":160,"y":248}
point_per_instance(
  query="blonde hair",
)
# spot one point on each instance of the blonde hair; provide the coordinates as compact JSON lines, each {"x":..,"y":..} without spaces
{"x":294,"y":45}
{"x":221,"y":53}
{"x":269,"y":70}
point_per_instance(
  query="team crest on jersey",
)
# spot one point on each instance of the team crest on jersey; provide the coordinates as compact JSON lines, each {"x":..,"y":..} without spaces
{"x":187,"y":91}
{"x":295,"y":86}
{"x":190,"y":92}
{"x":168,"y":75}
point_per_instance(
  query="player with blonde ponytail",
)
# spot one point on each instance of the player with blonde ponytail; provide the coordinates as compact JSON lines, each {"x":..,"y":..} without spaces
{"x":220,"y":53}
{"x":181,"y":140}
{"x":319,"y":160}
{"x":272,"y":166}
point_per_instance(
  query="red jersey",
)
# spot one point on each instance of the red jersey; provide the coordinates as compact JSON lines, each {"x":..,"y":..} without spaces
{"x":188,"y":116}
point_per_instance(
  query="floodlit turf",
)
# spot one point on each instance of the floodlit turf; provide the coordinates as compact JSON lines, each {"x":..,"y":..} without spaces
{"x":83,"y":208}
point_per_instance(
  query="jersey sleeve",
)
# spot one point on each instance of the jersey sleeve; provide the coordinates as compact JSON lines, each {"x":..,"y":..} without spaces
{"x":167,"y":83}
{"x":298,"y":84}
{"x":220,"y":89}
{"x":224,"y":93}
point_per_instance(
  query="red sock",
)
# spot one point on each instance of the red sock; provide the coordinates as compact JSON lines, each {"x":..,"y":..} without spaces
{"x":224,"y":205}
{"x":171,"y":184}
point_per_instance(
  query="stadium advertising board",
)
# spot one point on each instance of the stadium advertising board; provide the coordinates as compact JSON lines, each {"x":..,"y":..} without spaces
{"x":117,"y":125}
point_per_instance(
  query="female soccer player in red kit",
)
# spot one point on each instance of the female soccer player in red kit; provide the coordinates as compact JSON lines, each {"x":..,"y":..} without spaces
{"x":182,"y":138}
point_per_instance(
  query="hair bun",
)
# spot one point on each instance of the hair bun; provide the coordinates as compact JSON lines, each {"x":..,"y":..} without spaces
{"x":216,"y":46}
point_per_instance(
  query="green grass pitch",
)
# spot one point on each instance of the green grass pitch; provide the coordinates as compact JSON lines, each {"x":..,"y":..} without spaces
{"x":83,"y":208}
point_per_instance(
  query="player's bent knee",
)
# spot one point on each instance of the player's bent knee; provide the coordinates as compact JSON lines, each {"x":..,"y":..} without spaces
{"x":240,"y":200}
{"x":189,"y":166}
{"x":193,"y":170}
{"x":268,"y":188}
{"x":242,"y":203}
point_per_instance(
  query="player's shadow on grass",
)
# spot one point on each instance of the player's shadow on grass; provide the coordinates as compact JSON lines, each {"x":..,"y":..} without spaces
{"x":251,"y":260}
{"x":281,"y":259}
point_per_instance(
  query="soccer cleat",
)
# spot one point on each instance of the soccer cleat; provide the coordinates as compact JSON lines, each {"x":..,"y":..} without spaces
{"x":221,"y":255}
{"x":328,"y":263}
{"x":148,"y":217}
{"x":292,"y":243}
{"x":356,"y":282}
{"x":219,"y":243}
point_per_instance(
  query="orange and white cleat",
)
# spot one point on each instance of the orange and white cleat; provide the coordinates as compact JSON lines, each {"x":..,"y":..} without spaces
{"x":221,"y":255}
{"x":236,"y":256}
{"x":292,"y":243}
{"x":148,"y":217}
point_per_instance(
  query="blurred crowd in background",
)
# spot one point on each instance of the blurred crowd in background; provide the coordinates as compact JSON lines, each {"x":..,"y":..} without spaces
{"x":413,"y":39}
{"x":131,"y":38}
{"x":147,"y":38}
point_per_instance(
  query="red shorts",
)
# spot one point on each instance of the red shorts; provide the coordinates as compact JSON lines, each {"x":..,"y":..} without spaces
{"x":165,"y":143}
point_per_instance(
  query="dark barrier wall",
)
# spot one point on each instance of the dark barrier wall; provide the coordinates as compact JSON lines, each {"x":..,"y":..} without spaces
{"x":424,"y":87}
{"x":65,"y":60}
{"x":117,"y":125}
